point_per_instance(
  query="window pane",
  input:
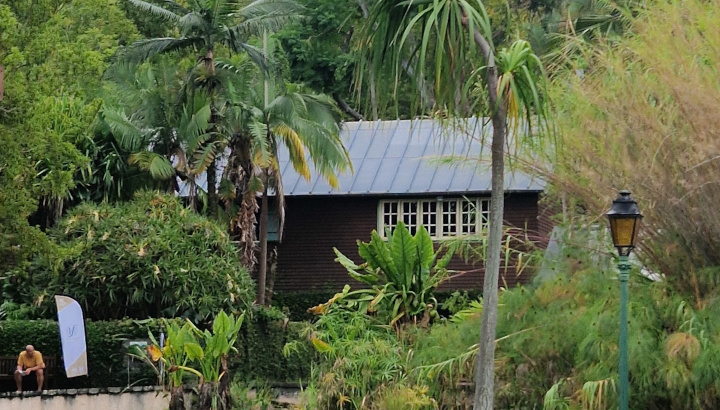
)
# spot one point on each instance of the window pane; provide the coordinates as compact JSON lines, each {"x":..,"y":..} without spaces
{"x":429,"y":216}
{"x":485,"y":213}
{"x":390,"y":215}
{"x":409,"y":215}
{"x":469,"y":217}
{"x":449,"y":218}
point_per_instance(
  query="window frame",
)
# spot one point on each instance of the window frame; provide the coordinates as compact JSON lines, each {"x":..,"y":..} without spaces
{"x":438,"y":232}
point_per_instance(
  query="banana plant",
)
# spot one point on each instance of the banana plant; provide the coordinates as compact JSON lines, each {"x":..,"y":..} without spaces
{"x":187,"y":348}
{"x":180,"y":350}
{"x":217,"y":344}
{"x":402,"y":272}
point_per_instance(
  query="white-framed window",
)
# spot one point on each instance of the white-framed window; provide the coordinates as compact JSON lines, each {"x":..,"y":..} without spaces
{"x":442,"y":217}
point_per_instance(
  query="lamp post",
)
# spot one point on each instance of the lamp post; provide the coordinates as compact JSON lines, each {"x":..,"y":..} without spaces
{"x":624,"y":216}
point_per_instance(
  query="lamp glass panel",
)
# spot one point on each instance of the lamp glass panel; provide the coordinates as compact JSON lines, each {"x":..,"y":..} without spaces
{"x":623,"y":230}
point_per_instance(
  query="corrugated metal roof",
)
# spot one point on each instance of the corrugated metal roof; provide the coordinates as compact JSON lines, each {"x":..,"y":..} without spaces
{"x":408,"y":157}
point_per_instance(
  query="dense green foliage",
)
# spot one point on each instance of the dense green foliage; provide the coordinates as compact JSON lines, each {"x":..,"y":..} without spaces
{"x":260,"y":346}
{"x":557,"y":347}
{"x":151,"y":257}
{"x":53,"y":54}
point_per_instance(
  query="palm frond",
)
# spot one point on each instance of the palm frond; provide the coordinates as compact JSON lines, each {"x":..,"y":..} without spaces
{"x":203,"y":157}
{"x":270,"y":15}
{"x":191,"y":23}
{"x":195,"y":121}
{"x":155,"y":10}
{"x":128,"y":133}
{"x":143,"y":50}
{"x":434,"y":38}
{"x":158,"y":166}
{"x":261,"y":150}
{"x":235,"y":39}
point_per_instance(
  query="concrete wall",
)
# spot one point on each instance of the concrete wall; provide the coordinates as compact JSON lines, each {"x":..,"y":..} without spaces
{"x":130,"y":400}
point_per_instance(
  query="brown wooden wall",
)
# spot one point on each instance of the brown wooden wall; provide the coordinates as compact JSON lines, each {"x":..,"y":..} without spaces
{"x":314,"y":225}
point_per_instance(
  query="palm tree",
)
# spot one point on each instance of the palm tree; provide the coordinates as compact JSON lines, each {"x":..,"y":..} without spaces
{"x":163,"y":129}
{"x":308,"y":126}
{"x":454,"y":50}
{"x":203,"y":26}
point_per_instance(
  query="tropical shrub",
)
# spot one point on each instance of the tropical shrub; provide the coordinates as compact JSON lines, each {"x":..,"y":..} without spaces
{"x":362,"y":364}
{"x":204,"y":354}
{"x":151,"y":257}
{"x":403,"y":272}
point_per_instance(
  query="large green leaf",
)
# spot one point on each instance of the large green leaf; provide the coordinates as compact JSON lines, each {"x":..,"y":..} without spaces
{"x":193,"y":351}
{"x":370,"y":277}
{"x":221,"y":323}
{"x":404,"y":253}
{"x":425,"y":249}
{"x":377,"y":254}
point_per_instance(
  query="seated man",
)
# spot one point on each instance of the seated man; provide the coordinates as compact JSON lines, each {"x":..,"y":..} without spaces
{"x":29,"y":361}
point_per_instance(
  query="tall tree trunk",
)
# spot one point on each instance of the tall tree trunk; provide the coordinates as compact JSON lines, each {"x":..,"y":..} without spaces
{"x":485,"y":361}
{"x":212,"y":197}
{"x":262,"y":269}
{"x":373,"y":96}
{"x":240,"y":172}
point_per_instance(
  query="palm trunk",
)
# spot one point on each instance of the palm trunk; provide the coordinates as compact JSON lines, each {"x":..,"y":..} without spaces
{"x":239,"y":172}
{"x":262,"y":270}
{"x":212,"y":197}
{"x":485,"y":361}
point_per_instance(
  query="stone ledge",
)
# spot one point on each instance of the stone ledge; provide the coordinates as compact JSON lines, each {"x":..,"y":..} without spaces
{"x":82,"y":392}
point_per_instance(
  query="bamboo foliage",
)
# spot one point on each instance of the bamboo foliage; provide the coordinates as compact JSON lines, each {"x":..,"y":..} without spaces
{"x":643,"y":118}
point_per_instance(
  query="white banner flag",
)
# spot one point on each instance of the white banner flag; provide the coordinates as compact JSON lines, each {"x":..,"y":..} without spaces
{"x":72,"y":336}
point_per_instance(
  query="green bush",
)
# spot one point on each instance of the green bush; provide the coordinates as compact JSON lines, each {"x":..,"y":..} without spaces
{"x":151,"y":257}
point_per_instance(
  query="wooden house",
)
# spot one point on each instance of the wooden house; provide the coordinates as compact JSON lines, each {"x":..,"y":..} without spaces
{"x":402,"y":171}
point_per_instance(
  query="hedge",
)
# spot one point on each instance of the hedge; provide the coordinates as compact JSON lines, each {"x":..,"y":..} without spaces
{"x":259,"y":344}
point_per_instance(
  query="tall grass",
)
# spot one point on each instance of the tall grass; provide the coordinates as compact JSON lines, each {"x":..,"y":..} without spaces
{"x":645,"y":116}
